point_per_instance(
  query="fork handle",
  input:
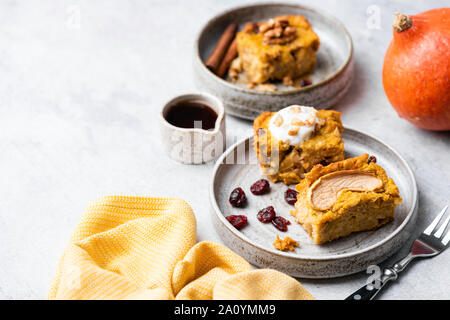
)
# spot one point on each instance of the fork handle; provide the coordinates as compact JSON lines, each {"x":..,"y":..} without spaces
{"x":368,"y":292}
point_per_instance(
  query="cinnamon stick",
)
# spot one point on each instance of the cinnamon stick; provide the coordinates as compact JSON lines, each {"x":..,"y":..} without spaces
{"x":229,"y":56}
{"x":221,"y":48}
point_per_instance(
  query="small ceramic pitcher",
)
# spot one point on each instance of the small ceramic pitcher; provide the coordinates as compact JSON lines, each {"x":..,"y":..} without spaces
{"x":194,"y":145}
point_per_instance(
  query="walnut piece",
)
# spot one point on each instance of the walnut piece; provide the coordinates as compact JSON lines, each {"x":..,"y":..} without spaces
{"x":278,"y":121}
{"x":293,"y":131}
{"x":296,"y":109}
{"x":277,"y":31}
{"x":297,"y":122}
{"x":309,"y":122}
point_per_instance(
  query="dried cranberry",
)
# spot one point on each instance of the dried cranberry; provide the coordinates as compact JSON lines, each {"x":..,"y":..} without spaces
{"x":280,"y":223}
{"x":290,"y":195}
{"x":266,"y":215}
{"x":305,"y":82}
{"x":237,"y":197}
{"x":237,"y":221}
{"x":260,"y":187}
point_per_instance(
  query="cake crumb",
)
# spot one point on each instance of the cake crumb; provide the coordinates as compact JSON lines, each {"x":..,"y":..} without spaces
{"x":285,"y":244}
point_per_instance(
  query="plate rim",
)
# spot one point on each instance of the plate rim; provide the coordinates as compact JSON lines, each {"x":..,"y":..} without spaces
{"x":242,"y":237}
{"x":230,"y":85}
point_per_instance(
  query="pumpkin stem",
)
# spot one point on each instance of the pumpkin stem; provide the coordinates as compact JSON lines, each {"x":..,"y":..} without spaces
{"x":402,"y":22}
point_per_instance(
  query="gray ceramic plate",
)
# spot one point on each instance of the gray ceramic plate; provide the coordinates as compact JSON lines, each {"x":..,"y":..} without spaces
{"x":331,"y":78}
{"x":338,"y":258}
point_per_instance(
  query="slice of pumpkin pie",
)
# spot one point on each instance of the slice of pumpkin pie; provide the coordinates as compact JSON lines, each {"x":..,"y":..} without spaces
{"x":345,"y":197}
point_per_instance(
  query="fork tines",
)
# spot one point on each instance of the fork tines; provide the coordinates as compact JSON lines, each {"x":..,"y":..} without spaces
{"x":439,"y":233}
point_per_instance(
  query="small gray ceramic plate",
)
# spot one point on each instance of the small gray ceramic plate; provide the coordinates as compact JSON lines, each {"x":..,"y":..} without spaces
{"x":331,"y":78}
{"x":338,"y":258}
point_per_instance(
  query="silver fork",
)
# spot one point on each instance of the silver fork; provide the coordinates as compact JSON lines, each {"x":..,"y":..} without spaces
{"x":430,"y":243}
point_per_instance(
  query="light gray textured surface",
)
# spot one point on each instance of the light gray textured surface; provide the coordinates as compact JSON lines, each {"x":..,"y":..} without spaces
{"x":82,"y":83}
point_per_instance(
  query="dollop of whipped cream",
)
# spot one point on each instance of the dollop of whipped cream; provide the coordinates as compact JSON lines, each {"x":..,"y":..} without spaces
{"x":293,"y":124}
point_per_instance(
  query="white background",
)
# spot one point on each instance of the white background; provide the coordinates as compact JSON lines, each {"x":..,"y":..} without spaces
{"x":80,"y":87}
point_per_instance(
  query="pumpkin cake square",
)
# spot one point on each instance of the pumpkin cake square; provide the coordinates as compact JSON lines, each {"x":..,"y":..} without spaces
{"x":345,"y":197}
{"x":282,"y":48}
{"x":291,"y":141}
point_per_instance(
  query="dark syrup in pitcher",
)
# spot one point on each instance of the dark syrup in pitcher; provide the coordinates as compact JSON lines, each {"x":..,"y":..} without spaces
{"x":184,"y":115}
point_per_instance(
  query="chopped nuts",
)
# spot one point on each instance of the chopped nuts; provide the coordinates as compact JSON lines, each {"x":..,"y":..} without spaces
{"x":281,"y":22}
{"x":289,"y":31}
{"x":270,"y":34}
{"x":278,"y":121}
{"x":277,"y":31}
{"x":297,"y":122}
{"x":293,"y":131}
{"x":297,"y":109}
{"x":267,"y":25}
{"x":309,"y":122}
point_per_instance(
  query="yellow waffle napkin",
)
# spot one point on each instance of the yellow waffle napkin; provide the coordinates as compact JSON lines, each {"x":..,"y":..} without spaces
{"x":144,"y":248}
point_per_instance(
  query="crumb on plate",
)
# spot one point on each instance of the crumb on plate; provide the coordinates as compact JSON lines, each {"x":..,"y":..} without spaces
{"x":285,"y":244}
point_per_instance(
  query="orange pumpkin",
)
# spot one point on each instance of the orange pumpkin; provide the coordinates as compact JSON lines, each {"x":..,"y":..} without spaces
{"x":416,"y":71}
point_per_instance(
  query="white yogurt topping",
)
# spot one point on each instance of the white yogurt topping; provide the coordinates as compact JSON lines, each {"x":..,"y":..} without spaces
{"x":293,"y":124}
